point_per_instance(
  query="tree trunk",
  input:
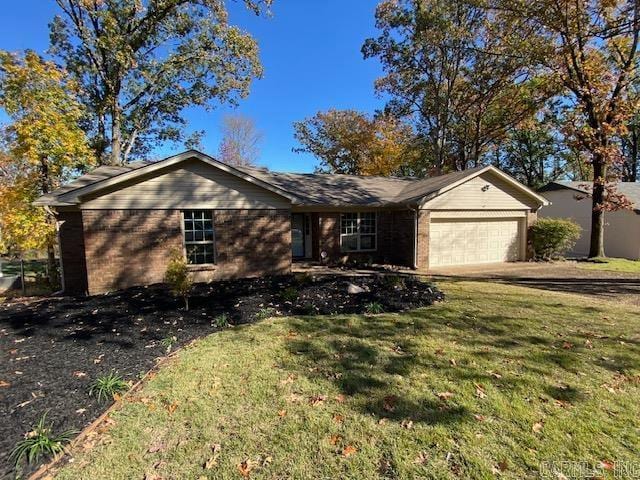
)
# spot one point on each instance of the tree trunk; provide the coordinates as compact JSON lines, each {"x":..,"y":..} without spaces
{"x":633,"y":160}
{"x":45,"y":186}
{"x":116,"y":134}
{"x":596,"y":248}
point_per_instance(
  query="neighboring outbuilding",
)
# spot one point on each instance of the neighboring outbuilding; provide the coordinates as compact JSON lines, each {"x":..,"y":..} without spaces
{"x":622,"y":228}
{"x":118,"y":225}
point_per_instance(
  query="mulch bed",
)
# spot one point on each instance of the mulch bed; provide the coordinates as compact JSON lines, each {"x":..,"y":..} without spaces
{"x":52,"y":349}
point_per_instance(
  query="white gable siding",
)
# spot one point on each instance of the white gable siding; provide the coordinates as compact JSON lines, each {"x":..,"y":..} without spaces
{"x":472,"y":195}
{"x":621,"y":232}
{"x":192,"y":184}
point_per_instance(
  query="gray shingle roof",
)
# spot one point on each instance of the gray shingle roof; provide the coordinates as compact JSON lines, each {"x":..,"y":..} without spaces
{"x":305,"y":189}
{"x":631,"y":190}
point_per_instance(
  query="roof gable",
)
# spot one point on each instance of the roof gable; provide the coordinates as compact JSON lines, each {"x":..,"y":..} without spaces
{"x":76,"y":195}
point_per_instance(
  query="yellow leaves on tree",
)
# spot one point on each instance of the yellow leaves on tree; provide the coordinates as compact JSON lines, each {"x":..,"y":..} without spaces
{"x":347,"y":141}
{"x":43,"y":145}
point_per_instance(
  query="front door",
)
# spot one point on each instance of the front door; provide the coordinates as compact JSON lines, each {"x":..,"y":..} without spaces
{"x":297,"y":235}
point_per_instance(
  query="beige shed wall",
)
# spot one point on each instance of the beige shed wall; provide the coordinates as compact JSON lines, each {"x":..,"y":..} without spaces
{"x":622,"y":228}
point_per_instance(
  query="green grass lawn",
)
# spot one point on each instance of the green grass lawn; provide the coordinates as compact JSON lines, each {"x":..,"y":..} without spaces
{"x":489,"y":383}
{"x":612,"y":264}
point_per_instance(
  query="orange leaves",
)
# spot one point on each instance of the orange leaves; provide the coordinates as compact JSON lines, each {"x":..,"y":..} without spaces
{"x":338,"y":418}
{"x":282,"y":413}
{"x":245,"y":468}
{"x":335,"y":439}
{"x":172,"y":407}
{"x":444,"y":395}
{"x":349,"y":450}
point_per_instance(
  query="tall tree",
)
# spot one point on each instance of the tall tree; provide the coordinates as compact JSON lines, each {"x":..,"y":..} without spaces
{"x":43,"y":145}
{"x":462,"y":73}
{"x":347,"y":141}
{"x":593,"y":47}
{"x":241,"y":139}
{"x":142,"y":62}
{"x":532,"y":153}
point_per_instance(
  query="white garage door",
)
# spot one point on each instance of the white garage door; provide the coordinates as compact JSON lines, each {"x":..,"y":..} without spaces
{"x":468,"y":241}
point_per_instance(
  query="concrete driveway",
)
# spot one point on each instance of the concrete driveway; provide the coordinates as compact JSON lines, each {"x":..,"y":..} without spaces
{"x":557,"y":276}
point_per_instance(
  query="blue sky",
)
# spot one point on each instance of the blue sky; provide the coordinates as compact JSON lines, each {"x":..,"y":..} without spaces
{"x":311,"y":55}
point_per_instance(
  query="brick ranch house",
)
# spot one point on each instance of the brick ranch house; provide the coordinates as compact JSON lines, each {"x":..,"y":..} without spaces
{"x":118,"y":224}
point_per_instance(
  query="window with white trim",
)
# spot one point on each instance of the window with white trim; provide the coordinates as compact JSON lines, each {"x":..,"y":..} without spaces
{"x":358,"y":231}
{"x":198,"y":236}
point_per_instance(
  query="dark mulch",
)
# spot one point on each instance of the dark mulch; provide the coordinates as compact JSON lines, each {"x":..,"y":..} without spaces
{"x":52,"y":349}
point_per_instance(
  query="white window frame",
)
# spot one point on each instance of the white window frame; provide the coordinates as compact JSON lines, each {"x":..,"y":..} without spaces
{"x":211,"y":242}
{"x":358,"y":233}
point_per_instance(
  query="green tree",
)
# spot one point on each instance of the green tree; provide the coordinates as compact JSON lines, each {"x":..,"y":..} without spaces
{"x":461,"y":73}
{"x":592,"y":50}
{"x":347,"y":141}
{"x":142,"y":62}
{"x":43,"y":146}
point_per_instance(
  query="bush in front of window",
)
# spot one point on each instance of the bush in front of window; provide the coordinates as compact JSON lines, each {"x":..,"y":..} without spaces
{"x":553,"y":237}
{"x":178,"y":277}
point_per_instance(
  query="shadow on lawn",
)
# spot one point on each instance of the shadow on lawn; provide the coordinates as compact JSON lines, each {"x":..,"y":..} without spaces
{"x":362,"y":355}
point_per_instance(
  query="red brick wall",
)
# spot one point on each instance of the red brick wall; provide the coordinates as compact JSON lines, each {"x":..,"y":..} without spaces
{"x":395,"y":239}
{"x":129,"y":247}
{"x":125,"y":248}
{"x":71,"y":240}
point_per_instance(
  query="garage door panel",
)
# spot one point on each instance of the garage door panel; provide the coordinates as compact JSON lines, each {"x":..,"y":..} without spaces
{"x":472,"y":241}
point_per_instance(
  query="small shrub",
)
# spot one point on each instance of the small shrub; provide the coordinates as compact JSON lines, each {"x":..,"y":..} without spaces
{"x":107,"y":386}
{"x":169,"y":342}
{"x":396,"y":282}
{"x":289,"y":294}
{"x":178,"y":277}
{"x":221,"y":321}
{"x":40,"y":441}
{"x":265,"y":313}
{"x":373,"y":308}
{"x":552,"y":237}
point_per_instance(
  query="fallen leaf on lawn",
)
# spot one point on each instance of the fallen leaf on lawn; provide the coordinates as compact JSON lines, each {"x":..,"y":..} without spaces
{"x":537,"y":427}
{"x":295,"y":398}
{"x":334,"y":439}
{"x":317,"y":400}
{"x":453,"y":362}
{"x":567,"y":345}
{"x":4,"y":384}
{"x":245,"y":468}
{"x":282,"y":413}
{"x":290,"y":378}
{"x":172,"y":408}
{"x":439,"y":351}
{"x":266,"y":460}
{"x":382,"y":421}
{"x":79,"y":374}
{"x":408,"y":424}
{"x":389,"y":403}
{"x":444,"y":395}
{"x":480,"y":393}
{"x":338,"y":418}
{"x":480,"y":418}
{"x":588,"y":344}
{"x":503,"y":466}
{"x":157,"y":447}
{"x":210,"y":463}
{"x":421,"y":458}
{"x":340,"y":398}
{"x":607,"y":465}
{"x":495,"y":375}
{"x":349,"y":450}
